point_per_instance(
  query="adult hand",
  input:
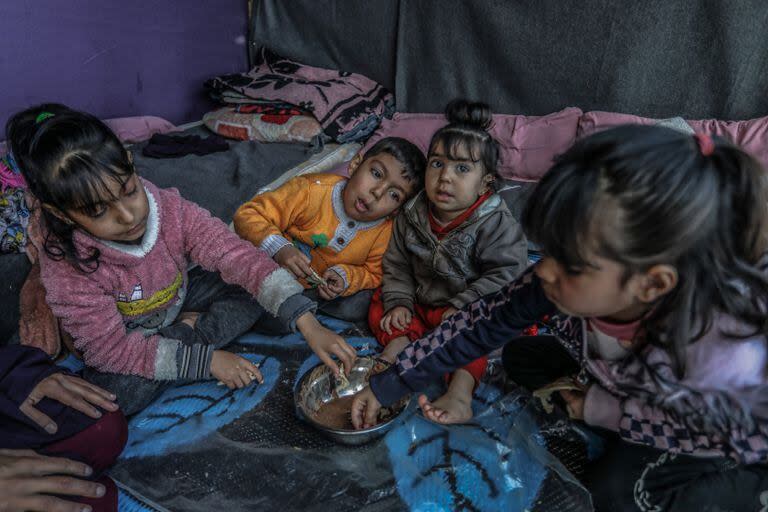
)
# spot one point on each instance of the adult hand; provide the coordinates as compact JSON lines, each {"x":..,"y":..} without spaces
{"x":28,"y":481}
{"x":335,"y":285}
{"x":71,"y":391}
{"x":365,"y":409}
{"x":294,"y":261}
{"x":234,"y":371}
{"x":398,"y":318}
{"x":326,"y":343}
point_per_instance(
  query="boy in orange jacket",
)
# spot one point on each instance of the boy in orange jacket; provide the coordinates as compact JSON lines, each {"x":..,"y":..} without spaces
{"x":331,"y":232}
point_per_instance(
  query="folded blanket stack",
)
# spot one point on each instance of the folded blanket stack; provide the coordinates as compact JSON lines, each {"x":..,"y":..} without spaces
{"x":348,"y":106}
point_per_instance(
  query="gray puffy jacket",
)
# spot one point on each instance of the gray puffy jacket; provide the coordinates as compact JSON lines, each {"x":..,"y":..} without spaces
{"x":477,"y":258}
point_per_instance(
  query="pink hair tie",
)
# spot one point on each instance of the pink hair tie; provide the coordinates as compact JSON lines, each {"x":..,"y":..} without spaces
{"x":706,"y":144}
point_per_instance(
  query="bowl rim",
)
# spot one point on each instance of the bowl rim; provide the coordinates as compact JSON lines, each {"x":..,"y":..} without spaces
{"x":306,"y":417}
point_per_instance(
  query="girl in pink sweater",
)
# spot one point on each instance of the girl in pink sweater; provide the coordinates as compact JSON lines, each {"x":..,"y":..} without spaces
{"x":115,"y":260}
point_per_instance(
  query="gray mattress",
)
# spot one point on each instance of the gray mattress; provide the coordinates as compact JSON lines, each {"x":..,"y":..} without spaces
{"x":219,"y":182}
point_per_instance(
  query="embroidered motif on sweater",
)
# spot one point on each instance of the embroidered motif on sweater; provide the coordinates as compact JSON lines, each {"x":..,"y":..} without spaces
{"x":137,"y":305}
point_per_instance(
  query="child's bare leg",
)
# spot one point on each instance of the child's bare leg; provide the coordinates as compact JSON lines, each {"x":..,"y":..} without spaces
{"x":455,"y":406}
{"x":393,"y":348}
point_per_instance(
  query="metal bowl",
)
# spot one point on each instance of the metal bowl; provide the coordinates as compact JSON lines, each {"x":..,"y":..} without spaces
{"x":319,"y":386}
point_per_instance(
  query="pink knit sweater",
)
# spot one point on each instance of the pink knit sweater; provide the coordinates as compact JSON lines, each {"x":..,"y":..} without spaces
{"x":133,"y":282}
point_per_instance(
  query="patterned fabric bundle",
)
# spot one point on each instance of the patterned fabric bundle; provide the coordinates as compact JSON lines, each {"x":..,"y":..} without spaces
{"x":14,"y":214}
{"x":348,"y":106}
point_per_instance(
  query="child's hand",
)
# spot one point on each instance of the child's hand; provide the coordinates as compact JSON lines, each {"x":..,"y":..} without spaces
{"x":71,"y":391}
{"x":448,"y":312}
{"x":574,"y":402}
{"x":334,"y":287}
{"x":234,"y":371}
{"x":294,"y":261}
{"x":398,"y":317}
{"x":365,"y":409}
{"x":326,"y":343}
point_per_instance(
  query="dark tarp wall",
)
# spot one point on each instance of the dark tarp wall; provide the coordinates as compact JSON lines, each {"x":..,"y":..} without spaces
{"x":657,"y":58}
{"x":351,"y":35}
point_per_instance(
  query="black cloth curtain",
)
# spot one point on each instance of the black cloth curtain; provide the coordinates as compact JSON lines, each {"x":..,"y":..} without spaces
{"x":656,"y":58}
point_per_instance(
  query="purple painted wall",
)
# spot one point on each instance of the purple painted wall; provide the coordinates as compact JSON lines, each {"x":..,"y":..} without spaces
{"x":118,"y":58}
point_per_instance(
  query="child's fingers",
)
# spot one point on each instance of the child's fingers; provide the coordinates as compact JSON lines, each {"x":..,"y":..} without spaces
{"x":297,"y":270}
{"x":352,"y":352}
{"x":253,"y":372}
{"x":243,"y":379}
{"x":302,"y":263}
{"x":344,"y":356}
{"x":371,"y":415}
{"x":290,"y":267}
{"x":429,"y":411}
{"x":328,"y":361}
{"x":357,"y":411}
{"x":384,"y":324}
{"x":323,"y":293}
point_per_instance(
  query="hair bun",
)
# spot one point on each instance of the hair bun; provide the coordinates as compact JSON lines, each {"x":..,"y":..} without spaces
{"x":467,"y":112}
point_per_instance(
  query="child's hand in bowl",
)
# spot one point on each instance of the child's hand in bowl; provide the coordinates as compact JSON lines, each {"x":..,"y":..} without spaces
{"x":365,"y":409}
{"x":396,"y":318}
{"x":326,"y":343}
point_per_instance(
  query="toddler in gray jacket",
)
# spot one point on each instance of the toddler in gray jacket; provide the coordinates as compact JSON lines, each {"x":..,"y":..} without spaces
{"x":455,"y":242}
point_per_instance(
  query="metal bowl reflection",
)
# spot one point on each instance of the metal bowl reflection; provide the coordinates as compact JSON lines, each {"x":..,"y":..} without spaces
{"x":318,"y":386}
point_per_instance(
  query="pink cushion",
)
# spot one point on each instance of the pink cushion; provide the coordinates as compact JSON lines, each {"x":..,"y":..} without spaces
{"x":752,"y":134}
{"x":140,"y":128}
{"x":128,"y":129}
{"x":528,"y":143}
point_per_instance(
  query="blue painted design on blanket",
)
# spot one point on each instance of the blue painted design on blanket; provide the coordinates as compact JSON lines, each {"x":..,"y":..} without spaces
{"x":188,"y":412}
{"x":128,"y":503}
{"x":484,"y":466}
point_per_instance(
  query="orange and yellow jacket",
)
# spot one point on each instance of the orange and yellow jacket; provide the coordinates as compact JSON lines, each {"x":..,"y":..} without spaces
{"x":308,"y":211}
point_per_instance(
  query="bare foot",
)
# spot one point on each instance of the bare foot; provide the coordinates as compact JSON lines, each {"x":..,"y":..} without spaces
{"x":455,"y":406}
{"x":394,"y":347}
{"x":188,"y":317}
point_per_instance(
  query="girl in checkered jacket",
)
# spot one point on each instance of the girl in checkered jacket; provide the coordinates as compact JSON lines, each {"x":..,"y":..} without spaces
{"x":654,"y":288}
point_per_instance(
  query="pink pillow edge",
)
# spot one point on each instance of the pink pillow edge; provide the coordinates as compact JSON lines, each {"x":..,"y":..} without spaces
{"x":750,"y":134}
{"x":516,"y":160}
